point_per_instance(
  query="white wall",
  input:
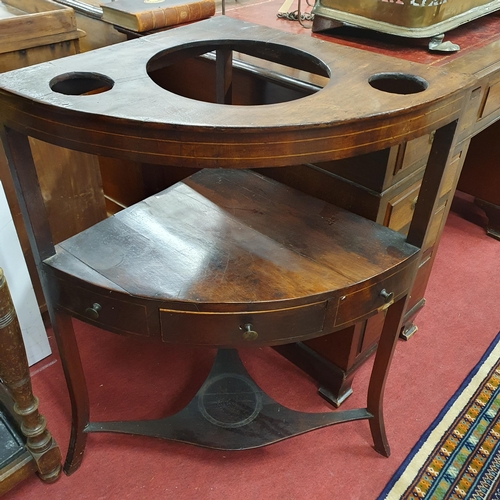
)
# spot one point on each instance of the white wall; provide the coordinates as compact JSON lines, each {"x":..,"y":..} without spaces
{"x":14,"y":266}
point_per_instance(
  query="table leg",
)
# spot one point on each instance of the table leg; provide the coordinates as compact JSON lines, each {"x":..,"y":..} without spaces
{"x":385,"y":350}
{"x":77,"y":387}
{"x":24,"y":174}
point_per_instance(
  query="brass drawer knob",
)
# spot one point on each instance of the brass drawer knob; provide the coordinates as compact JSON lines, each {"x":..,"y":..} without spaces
{"x":387,"y":296}
{"x":93,"y":312}
{"x":248,"y":332}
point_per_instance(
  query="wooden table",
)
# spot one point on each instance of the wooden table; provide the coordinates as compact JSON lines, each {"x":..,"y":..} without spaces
{"x":229,"y":257}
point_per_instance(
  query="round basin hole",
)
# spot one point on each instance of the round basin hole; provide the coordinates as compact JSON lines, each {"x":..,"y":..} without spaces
{"x":238,"y":72}
{"x":398,"y":83}
{"x":79,"y":83}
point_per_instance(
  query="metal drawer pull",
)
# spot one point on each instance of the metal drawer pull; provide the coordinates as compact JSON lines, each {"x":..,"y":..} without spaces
{"x":249,"y":333}
{"x":387,"y":296}
{"x":93,"y":312}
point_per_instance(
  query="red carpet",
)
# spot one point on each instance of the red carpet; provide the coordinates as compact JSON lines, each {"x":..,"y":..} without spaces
{"x":130,"y":379}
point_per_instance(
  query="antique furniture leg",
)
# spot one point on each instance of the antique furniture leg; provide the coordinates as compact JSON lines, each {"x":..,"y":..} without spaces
{"x":14,"y":373}
{"x":77,"y":388}
{"x":383,"y":356}
{"x":33,"y":208}
{"x":419,"y":229}
{"x":231,"y":412}
{"x":493,"y":215}
{"x":335,"y":385}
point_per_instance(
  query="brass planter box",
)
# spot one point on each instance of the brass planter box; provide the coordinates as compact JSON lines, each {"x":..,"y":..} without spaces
{"x":409,"y":18}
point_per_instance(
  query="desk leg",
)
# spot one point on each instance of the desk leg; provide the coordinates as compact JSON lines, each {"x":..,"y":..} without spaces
{"x":385,"y":350}
{"x":493,"y":214}
{"x":14,"y":372}
{"x":77,"y":387}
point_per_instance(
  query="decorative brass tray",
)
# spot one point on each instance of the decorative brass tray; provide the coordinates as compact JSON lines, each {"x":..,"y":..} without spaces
{"x":408,"y":18}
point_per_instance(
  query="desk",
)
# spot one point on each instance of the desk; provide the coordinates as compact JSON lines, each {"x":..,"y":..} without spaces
{"x":384,"y":187}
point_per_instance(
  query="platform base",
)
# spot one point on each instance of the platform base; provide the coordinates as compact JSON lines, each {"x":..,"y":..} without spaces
{"x":230,"y":412}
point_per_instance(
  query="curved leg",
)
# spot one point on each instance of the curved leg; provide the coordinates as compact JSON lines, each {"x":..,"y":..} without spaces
{"x":14,"y":372}
{"x":77,"y":388}
{"x":24,"y":174}
{"x":385,"y":350}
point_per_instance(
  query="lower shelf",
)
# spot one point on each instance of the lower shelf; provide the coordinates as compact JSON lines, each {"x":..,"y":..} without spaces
{"x":230,"y":412}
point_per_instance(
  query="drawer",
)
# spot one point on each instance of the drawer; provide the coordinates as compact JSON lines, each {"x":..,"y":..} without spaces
{"x":400,"y":208}
{"x":492,"y":102}
{"x":362,"y":303}
{"x":110,"y":313}
{"x":471,"y":113}
{"x":450,"y":174}
{"x":407,"y":158}
{"x":242,"y":328}
{"x":435,"y":227}
{"x":410,"y":156}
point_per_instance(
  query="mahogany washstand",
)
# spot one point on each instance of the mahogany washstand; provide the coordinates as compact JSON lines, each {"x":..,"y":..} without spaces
{"x":227,"y":257}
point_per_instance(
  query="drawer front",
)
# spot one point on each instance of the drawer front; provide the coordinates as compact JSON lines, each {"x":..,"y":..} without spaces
{"x":400,"y":208}
{"x":416,"y":150}
{"x":242,"y":328}
{"x":120,"y":316}
{"x":492,"y":102}
{"x":408,"y":157}
{"x":471,"y":113}
{"x":362,"y":303}
{"x":435,"y":228}
{"x":450,"y":174}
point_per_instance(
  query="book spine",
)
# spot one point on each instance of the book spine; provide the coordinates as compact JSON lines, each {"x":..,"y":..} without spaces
{"x":170,"y":16}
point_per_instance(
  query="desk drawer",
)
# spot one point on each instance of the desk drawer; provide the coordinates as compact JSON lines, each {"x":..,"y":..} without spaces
{"x":120,"y":316}
{"x":364,"y":302}
{"x":492,"y":102}
{"x":242,"y":328}
{"x":400,"y":209}
{"x":412,"y":154}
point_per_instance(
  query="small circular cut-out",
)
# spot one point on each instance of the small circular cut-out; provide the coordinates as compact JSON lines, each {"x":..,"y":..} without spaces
{"x":398,"y":83}
{"x":80,"y":83}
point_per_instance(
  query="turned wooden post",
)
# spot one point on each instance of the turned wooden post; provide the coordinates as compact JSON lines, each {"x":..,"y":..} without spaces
{"x":14,"y":373}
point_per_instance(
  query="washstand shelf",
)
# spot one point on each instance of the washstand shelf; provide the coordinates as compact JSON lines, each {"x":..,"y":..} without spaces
{"x":227,"y":257}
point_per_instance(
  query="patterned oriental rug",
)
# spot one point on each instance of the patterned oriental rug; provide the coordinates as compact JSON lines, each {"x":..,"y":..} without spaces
{"x":458,"y":457}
